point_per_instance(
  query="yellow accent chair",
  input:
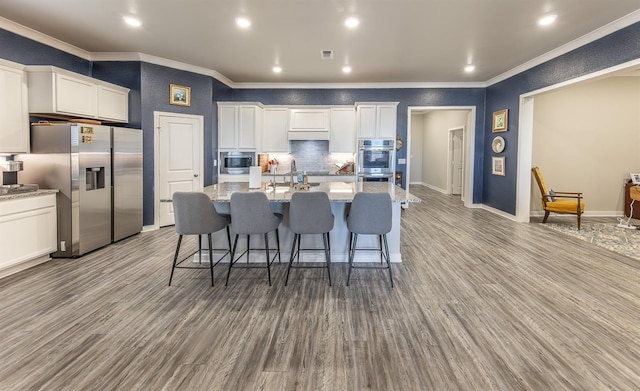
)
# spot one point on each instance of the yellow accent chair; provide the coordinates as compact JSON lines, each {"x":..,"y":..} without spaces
{"x":558,"y":201}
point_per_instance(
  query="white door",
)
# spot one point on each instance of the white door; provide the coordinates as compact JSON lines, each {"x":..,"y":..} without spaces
{"x":180,"y":139}
{"x":456,"y":161}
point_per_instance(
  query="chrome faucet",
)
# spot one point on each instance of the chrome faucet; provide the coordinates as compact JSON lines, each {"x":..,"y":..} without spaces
{"x":292,"y":171}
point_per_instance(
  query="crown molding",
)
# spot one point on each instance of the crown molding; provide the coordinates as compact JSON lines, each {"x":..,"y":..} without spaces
{"x":37,"y":36}
{"x":358,"y":85}
{"x":605,"y":30}
{"x":135,"y":56}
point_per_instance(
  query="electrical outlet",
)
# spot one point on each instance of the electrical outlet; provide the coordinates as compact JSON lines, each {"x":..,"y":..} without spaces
{"x":63,"y":245}
{"x":215,"y":162}
{"x":402,"y":161}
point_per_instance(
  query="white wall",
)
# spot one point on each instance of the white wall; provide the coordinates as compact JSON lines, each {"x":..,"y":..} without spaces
{"x":586,"y":138}
{"x":436,"y":145}
{"x":417,"y":142}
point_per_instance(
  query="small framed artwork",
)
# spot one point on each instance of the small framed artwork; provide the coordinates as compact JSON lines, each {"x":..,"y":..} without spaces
{"x":497,"y":165}
{"x":635,"y":178}
{"x":180,"y":95}
{"x":500,"y":120}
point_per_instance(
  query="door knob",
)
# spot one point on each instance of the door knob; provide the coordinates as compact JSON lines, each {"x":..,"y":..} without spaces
{"x":195,"y":175}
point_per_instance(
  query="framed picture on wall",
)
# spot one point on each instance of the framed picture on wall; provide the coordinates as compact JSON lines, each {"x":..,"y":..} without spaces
{"x":180,"y":95}
{"x":500,"y":120}
{"x":497,"y":165}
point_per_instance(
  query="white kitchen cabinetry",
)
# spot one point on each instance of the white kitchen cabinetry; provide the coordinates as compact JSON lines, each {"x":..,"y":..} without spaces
{"x":377,"y":120}
{"x":239,"y":126}
{"x":14,"y":117}
{"x":342,"y":136}
{"x":113,"y":104}
{"x":57,"y":92}
{"x":309,"y":124}
{"x":28,"y":232}
{"x":274,"y":130}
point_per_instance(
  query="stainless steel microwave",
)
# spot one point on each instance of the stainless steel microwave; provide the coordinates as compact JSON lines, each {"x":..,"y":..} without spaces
{"x":236,"y":162}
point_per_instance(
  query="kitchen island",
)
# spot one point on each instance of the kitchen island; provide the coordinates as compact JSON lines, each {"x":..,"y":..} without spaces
{"x":340,"y":194}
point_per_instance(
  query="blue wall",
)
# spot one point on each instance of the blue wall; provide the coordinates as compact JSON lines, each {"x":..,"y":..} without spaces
{"x":155,"y":80}
{"x":25,"y":51}
{"x":619,"y":47}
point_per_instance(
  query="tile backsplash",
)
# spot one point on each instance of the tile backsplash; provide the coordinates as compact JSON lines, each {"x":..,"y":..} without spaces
{"x":311,"y":155}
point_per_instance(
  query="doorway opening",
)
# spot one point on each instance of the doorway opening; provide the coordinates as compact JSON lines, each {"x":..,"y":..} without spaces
{"x":440,"y":142}
{"x":526,"y":141}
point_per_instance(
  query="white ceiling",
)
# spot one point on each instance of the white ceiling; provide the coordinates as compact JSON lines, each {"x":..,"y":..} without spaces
{"x":397,"y":41}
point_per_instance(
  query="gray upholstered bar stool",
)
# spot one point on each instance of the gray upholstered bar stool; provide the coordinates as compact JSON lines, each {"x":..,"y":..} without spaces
{"x":251,"y":214}
{"x":195,"y":215}
{"x":310,"y":213}
{"x":370,"y":214}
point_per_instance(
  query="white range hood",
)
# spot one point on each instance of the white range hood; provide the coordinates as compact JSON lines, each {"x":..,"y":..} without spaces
{"x":308,"y":135}
{"x":308,"y":124}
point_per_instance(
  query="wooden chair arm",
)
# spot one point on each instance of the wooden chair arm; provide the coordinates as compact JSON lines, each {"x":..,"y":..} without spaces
{"x":568,"y":192}
{"x":578,"y":196}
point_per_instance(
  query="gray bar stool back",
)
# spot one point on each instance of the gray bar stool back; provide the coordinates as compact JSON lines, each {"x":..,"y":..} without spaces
{"x":370,"y":214}
{"x":251,"y":214}
{"x":310,"y":213}
{"x":195,"y":214}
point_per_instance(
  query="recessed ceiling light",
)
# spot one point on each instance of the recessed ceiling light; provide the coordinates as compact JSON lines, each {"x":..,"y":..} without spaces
{"x":470,"y":68}
{"x":352,"y":22}
{"x":243,"y":22}
{"x":277,"y":69}
{"x":346,"y":69}
{"x":131,"y":21}
{"x":547,"y":20}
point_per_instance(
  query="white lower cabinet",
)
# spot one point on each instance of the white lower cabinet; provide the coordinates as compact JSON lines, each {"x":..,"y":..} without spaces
{"x":28,"y":230}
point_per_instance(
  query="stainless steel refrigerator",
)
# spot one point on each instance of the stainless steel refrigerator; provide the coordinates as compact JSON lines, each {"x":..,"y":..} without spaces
{"x":98,"y":170}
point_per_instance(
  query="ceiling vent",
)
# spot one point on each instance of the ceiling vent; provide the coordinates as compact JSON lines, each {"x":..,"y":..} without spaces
{"x":326,"y":54}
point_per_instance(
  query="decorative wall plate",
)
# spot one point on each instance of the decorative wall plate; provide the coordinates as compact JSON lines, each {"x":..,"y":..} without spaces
{"x":498,"y":144}
{"x":399,"y":143}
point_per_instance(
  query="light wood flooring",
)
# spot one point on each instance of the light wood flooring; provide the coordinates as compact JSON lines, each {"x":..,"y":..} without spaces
{"x":480,"y":303}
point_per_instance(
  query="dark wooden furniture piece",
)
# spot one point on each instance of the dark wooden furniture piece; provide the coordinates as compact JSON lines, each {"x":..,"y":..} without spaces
{"x":627,"y":202}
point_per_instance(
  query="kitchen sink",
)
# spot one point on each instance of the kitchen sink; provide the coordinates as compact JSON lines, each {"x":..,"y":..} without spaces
{"x":287,"y":184}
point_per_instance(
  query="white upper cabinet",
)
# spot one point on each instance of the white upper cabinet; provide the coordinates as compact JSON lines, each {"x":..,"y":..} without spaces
{"x":377,"y":120}
{"x":274,"y":130}
{"x":74,"y":96}
{"x":113,"y":104}
{"x":14,"y":117}
{"x":239,"y":126}
{"x":342,"y":138}
{"x":55,"y":91}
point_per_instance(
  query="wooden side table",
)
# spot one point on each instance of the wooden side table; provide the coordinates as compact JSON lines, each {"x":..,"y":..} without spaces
{"x":632,"y":192}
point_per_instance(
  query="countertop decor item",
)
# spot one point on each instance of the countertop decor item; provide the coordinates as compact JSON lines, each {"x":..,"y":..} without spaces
{"x":498,"y":144}
{"x":500,"y":121}
{"x":180,"y":95}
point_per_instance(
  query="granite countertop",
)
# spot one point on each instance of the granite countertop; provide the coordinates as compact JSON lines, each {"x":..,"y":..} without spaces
{"x":337,"y":191}
{"x":15,"y":196}
{"x":312,"y":173}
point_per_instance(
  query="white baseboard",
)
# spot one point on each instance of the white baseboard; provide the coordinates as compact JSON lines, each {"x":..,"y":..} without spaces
{"x":436,"y":189}
{"x":498,"y":212}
